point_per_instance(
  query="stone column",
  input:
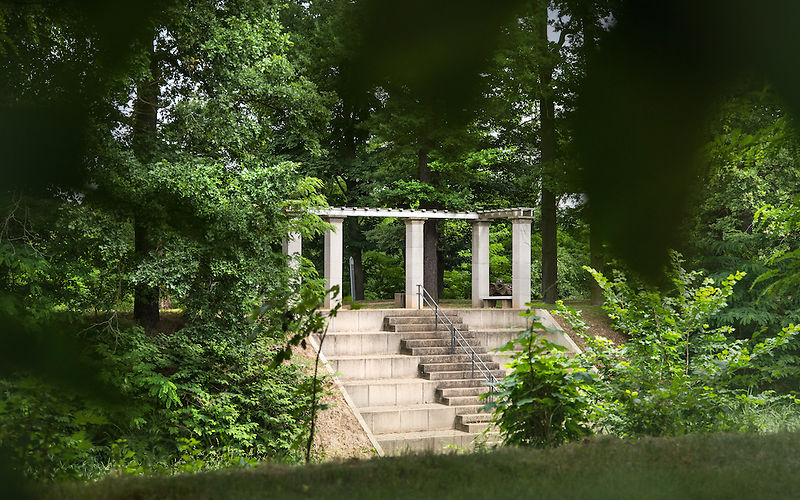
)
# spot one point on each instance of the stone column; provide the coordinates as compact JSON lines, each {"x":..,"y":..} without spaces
{"x":415,"y":262}
{"x":333,"y":260}
{"x":480,"y":261}
{"x":520,"y":262}
{"x":293,"y":248}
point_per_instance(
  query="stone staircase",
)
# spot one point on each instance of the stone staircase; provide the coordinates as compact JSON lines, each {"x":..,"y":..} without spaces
{"x":413,"y":394}
{"x":458,"y":383}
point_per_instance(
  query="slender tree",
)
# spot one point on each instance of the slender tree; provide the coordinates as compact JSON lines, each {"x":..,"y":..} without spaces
{"x":144,"y":141}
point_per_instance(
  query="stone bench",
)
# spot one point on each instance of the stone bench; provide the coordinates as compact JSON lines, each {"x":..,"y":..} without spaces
{"x":491,"y":301}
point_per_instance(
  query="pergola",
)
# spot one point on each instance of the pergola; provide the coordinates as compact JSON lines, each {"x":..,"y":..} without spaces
{"x":415,"y":220}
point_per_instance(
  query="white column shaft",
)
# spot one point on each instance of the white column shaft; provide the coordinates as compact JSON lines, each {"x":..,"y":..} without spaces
{"x":333,"y":261}
{"x":415,"y":254}
{"x":521,"y":262}
{"x":293,"y":248}
{"x":480,"y":262}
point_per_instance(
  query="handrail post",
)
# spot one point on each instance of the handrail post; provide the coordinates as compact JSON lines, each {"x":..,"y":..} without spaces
{"x":436,"y":320}
{"x":452,"y":340}
{"x":472,"y":357}
{"x":419,"y":296}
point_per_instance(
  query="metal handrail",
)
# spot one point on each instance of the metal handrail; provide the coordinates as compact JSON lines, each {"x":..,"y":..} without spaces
{"x":456,"y":337}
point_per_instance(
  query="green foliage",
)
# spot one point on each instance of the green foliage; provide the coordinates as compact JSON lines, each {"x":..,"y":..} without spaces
{"x":207,"y":386}
{"x":572,"y":256}
{"x":676,"y":374}
{"x":385,"y":274}
{"x":196,"y":399}
{"x":751,"y":167}
{"x":642,"y":164}
{"x":226,"y":270}
{"x":458,"y":282}
{"x":782,"y":275}
{"x":545,"y":401}
{"x":216,"y":191}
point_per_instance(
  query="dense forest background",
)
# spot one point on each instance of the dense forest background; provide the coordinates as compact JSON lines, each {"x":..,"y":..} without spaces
{"x":156,"y":155}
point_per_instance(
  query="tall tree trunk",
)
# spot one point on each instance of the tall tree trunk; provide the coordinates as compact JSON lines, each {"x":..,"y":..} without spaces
{"x":549,"y":248}
{"x":355,"y":235}
{"x":145,"y":111}
{"x":548,"y":157}
{"x":430,"y":240}
{"x":145,"y":298}
{"x":430,"y":235}
{"x":440,"y":275}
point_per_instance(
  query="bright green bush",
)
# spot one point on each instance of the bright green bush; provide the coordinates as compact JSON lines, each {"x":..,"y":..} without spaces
{"x":545,"y":401}
{"x":676,"y":374}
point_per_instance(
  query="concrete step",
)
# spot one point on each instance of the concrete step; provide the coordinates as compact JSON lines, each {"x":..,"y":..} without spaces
{"x":408,"y":320}
{"x":450,"y":392}
{"x":423,"y":327}
{"x":462,"y":374}
{"x":355,"y":343}
{"x":433,"y":351}
{"x":462,"y":400}
{"x":433,"y":441}
{"x":409,"y":418}
{"x":375,"y":366}
{"x":457,"y":366}
{"x":504,"y":359}
{"x":445,"y":358}
{"x":406,"y":313}
{"x":467,"y":409}
{"x":474,"y":418}
{"x":393,"y":391}
{"x":495,"y":338}
{"x":434,"y":342}
{"x":474,"y":428}
{"x":462,"y":383}
{"x":435,"y":335}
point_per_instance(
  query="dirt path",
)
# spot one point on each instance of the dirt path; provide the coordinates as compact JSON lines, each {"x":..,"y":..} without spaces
{"x":599,"y":325}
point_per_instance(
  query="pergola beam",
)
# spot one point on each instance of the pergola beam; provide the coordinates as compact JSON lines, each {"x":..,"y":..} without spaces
{"x":407,"y":213}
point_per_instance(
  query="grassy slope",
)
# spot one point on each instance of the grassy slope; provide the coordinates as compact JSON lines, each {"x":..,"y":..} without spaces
{"x":711,"y":466}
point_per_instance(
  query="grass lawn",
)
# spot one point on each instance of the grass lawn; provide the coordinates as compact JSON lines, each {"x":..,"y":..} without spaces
{"x":712,"y":466}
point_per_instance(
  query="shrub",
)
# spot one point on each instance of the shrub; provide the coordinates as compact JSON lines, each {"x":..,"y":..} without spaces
{"x":190,"y":400}
{"x":544,"y":401}
{"x":676,"y":374}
